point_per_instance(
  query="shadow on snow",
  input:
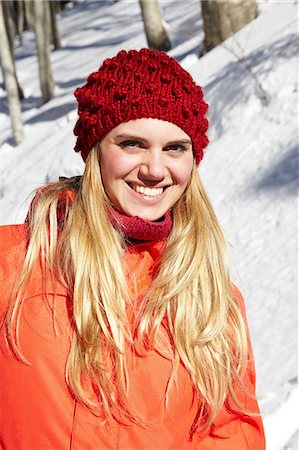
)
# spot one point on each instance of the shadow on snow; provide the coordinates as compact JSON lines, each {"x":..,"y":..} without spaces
{"x":235,"y":82}
{"x":283,"y":174}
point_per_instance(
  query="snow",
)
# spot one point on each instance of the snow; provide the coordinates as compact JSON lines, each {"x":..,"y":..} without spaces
{"x":250,"y":169}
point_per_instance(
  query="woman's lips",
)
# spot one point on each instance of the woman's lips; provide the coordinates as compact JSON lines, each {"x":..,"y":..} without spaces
{"x":146,"y":191}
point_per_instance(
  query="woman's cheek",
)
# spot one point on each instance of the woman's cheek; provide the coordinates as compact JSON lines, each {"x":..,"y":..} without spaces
{"x":122,"y":164}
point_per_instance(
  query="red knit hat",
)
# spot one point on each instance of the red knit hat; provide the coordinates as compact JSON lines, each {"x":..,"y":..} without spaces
{"x":135,"y":85}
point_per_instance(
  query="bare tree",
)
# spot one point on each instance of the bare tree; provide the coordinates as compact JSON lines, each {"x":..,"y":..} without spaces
{"x":153,"y":25}
{"x":29,"y":14}
{"x":10,"y":82}
{"x":20,"y":19}
{"x":42,"y":32}
{"x":8,"y":15}
{"x":222,"y":18}
{"x":54,"y":27}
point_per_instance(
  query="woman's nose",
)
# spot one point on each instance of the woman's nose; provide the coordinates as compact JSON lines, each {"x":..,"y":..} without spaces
{"x":153,"y":166}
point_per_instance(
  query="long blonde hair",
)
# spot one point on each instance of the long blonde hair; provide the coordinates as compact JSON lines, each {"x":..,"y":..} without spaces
{"x":191,"y":294}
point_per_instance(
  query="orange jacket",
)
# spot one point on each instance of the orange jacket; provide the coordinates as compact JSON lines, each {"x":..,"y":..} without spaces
{"x":37,"y":410}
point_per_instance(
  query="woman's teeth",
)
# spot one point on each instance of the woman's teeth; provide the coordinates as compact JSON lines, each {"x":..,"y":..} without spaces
{"x":148,"y":192}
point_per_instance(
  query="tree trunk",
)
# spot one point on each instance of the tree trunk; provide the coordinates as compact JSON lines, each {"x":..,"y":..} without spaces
{"x":155,"y":32}
{"x":222,"y":18}
{"x":29,"y":14}
{"x":20,"y":19}
{"x":8,"y":13}
{"x":41,"y":25}
{"x":54,"y":28}
{"x":10,"y":83}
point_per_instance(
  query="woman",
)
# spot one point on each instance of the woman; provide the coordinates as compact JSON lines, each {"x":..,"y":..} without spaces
{"x":121,"y":327}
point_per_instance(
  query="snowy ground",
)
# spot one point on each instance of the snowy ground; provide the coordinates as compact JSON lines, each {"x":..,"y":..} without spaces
{"x":250,"y":169}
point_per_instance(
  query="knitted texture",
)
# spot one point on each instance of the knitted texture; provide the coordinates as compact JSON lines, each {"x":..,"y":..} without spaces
{"x":140,"y":84}
{"x":140,"y":229}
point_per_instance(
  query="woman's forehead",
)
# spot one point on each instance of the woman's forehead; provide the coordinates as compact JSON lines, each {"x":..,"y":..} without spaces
{"x":150,"y":129}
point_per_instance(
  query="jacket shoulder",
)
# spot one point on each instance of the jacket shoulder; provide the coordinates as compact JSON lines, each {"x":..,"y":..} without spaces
{"x":13,"y":244}
{"x":12,"y":236}
{"x":13,"y":247}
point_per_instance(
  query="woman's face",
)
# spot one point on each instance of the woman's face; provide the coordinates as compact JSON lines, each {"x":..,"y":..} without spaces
{"x":146,"y":165}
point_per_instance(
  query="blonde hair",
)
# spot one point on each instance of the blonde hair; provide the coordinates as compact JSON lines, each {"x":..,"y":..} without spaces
{"x":191,"y":292}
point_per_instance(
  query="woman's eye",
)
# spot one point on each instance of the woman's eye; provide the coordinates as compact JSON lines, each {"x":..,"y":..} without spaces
{"x":176,"y":148}
{"x":130,"y":144}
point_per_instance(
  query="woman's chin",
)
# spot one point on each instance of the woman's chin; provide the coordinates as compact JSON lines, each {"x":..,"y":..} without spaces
{"x":149,"y":216}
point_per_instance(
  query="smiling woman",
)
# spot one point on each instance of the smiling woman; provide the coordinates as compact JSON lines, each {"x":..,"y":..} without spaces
{"x":120,"y":325}
{"x":145,"y":165}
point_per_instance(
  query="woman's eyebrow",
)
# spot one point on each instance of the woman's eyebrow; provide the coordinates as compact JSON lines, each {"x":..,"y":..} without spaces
{"x":140,"y":138}
{"x":130,"y":136}
{"x":180,"y":141}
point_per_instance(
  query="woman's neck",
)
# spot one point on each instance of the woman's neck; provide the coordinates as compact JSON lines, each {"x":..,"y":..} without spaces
{"x":135,"y":228}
